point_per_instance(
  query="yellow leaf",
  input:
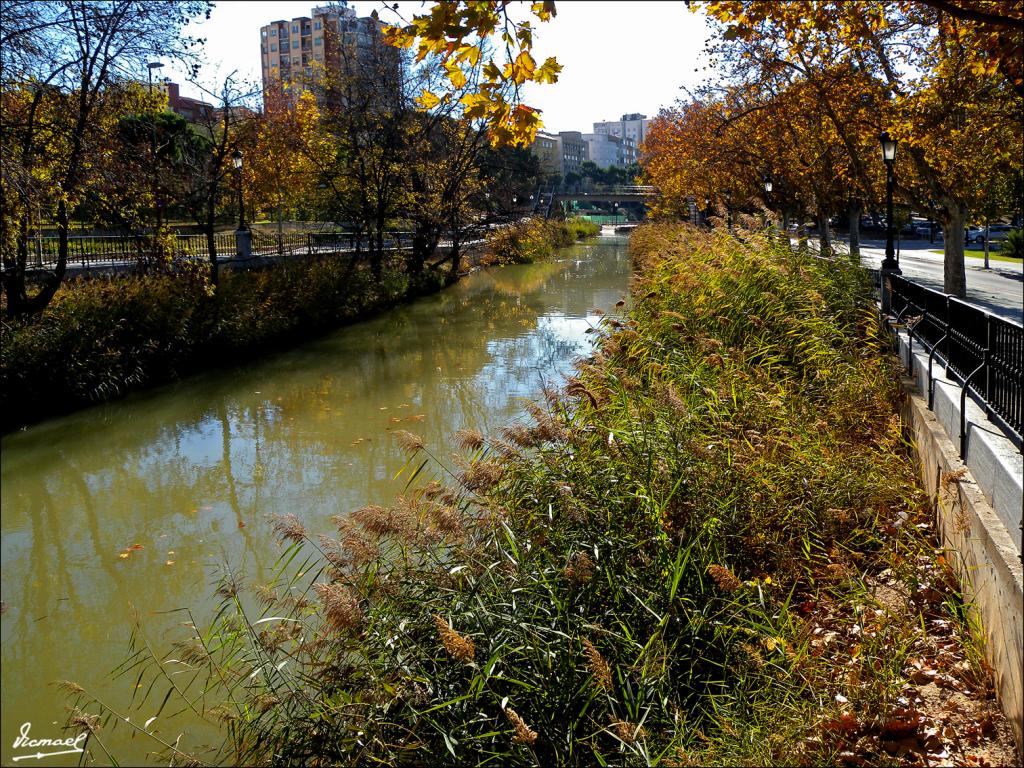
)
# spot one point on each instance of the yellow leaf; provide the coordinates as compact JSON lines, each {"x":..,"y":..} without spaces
{"x":428,"y":100}
{"x":455,"y":75}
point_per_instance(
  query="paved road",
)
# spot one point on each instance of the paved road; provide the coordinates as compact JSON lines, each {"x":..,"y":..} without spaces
{"x":999,"y":290}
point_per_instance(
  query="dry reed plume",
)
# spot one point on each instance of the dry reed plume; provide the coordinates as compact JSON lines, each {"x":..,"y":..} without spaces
{"x":523,"y":733}
{"x":469,"y":439}
{"x":458,"y":646}
{"x":289,"y":527}
{"x":599,"y":669}
{"x":408,"y":442}
{"x":724,"y":578}
{"x":341,"y":607}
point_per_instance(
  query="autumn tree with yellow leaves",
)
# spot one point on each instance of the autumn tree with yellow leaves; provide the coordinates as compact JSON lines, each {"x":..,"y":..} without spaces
{"x":940,"y":77}
{"x":64,"y":57}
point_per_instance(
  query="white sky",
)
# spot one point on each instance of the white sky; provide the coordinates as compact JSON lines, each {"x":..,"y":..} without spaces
{"x":617,"y":56}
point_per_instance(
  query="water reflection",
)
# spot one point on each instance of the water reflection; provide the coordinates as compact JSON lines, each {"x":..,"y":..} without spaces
{"x":191,"y":472}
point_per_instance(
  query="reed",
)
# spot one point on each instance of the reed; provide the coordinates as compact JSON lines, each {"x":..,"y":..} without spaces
{"x":646,"y":576}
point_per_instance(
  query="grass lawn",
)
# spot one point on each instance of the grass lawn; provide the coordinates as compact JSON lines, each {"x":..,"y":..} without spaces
{"x":992,"y":255}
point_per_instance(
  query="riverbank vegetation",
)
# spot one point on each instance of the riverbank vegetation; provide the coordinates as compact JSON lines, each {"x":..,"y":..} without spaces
{"x":708,"y":548}
{"x":535,"y":239}
{"x":102,"y":337}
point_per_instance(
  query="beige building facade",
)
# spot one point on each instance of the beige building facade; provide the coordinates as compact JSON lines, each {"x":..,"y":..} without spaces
{"x":296,"y":53}
{"x":560,"y":153}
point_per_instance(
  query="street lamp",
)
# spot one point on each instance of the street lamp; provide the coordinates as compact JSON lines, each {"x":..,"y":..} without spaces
{"x":152,"y":67}
{"x":236,"y":160}
{"x":243,"y":237}
{"x":889,"y":158}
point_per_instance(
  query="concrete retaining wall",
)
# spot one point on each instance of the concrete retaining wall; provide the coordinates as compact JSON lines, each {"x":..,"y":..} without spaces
{"x":978,"y":515}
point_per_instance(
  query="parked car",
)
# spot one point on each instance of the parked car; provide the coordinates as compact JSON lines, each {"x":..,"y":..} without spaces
{"x":997,"y":233}
{"x":924,"y":230}
{"x":972,"y":233}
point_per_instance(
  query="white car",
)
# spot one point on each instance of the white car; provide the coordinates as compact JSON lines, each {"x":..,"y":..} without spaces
{"x":997,"y":233}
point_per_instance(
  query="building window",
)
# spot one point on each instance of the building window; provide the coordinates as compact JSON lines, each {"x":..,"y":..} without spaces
{"x":273,"y":32}
{"x":295,"y":60}
{"x":273,"y":46}
{"x":263,"y":33}
{"x":318,"y":41}
{"x":295,"y":28}
{"x":316,"y":25}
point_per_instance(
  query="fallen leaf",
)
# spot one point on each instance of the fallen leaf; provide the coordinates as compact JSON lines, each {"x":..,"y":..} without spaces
{"x":124,"y":555}
{"x":169,"y":562}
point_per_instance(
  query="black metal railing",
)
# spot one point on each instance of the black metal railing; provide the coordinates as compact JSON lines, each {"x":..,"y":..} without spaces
{"x":983,"y":353}
{"x":103,"y":251}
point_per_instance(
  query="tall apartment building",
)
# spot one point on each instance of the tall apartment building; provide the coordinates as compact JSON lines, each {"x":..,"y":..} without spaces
{"x":303,"y":53}
{"x":632,"y":126}
{"x":607,"y":150}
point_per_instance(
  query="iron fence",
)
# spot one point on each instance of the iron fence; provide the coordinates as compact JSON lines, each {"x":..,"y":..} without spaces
{"x":984,"y":353}
{"x":99,"y":251}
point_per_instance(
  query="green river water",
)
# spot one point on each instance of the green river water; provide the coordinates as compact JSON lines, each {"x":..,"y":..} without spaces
{"x":191,"y":473}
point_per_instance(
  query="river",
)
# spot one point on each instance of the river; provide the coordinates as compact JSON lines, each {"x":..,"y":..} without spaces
{"x":128,"y":508}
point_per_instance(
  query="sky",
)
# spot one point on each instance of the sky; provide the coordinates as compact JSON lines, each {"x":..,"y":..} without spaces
{"x":618,"y":57}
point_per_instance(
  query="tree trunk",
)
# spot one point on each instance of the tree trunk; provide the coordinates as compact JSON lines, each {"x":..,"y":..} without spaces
{"x":986,"y":244}
{"x":456,"y":258}
{"x":211,"y":241}
{"x":954,"y":277}
{"x":41,"y":300}
{"x":824,"y":236}
{"x":14,"y":272}
{"x":853,"y":211}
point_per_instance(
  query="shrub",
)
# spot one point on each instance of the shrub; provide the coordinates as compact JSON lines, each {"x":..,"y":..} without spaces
{"x":1014,"y":246}
{"x":582,"y":228}
{"x":534,"y":239}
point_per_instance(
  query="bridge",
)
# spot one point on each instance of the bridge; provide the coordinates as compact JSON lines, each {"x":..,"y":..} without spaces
{"x":624,"y":194}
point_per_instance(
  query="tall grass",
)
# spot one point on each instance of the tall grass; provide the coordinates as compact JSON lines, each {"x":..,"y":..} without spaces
{"x":623,"y":579}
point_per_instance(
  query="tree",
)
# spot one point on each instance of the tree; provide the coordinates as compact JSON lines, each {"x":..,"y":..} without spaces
{"x":291,"y":146}
{"x":949,"y":103}
{"x":65,"y":55}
